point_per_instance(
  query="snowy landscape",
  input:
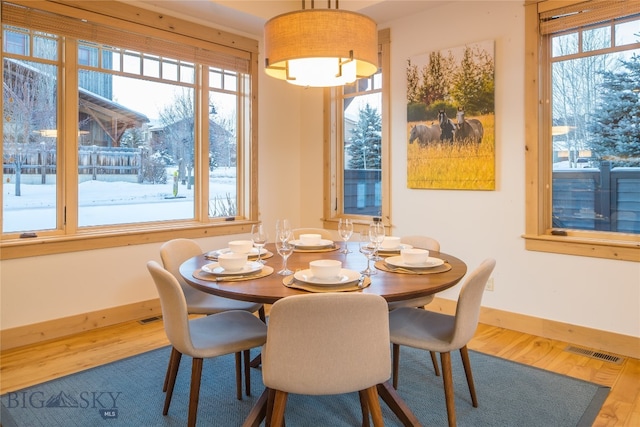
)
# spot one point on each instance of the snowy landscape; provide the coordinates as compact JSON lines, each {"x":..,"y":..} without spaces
{"x":107,"y":203}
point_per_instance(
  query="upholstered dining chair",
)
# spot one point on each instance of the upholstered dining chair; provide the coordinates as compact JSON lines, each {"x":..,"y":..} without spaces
{"x":175,"y":252}
{"x":422,"y":242}
{"x":324,"y":344}
{"x":324,"y":234}
{"x":232,"y":331}
{"x":443,"y":333}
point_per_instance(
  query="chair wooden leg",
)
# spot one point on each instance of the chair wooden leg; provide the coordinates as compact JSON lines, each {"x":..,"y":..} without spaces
{"x":396,"y":363}
{"x":174,"y":363}
{"x":262,"y":314}
{"x":445,"y":359}
{"x":270,"y":397}
{"x":196,"y":374}
{"x":434,"y":360}
{"x":374,"y":406}
{"x":174,"y":354}
{"x":247,"y":372}
{"x":467,"y":370}
{"x":279,"y":405}
{"x":364,"y":406}
{"x":238,"y":375}
{"x":257,"y":361}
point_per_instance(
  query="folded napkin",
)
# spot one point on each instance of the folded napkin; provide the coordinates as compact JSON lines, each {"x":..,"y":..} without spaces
{"x":264,"y":272}
{"x":318,"y":249}
{"x":381,"y":265}
{"x":292,"y":282}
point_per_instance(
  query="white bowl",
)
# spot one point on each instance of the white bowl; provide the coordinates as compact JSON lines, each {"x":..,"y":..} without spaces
{"x":414,"y":256}
{"x":310,"y":239}
{"x":390,"y":242}
{"x":232,"y":262}
{"x":240,"y":246}
{"x":325,"y":268}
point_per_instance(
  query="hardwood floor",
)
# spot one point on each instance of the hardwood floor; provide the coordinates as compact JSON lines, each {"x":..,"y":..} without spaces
{"x":34,"y":364}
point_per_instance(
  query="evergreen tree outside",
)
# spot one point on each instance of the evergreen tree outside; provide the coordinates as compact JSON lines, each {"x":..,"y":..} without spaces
{"x":364,"y":146}
{"x":615,"y":123}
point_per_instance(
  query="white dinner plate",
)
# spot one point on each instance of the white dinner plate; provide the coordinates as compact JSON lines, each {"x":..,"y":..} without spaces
{"x":397,"y":249}
{"x":346,"y":276}
{"x":249,"y":267}
{"x":323,"y":243}
{"x":252,"y":253}
{"x":431,"y":262}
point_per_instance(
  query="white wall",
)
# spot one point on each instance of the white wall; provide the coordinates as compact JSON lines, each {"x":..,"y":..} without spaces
{"x":472,"y":225}
{"x":590,"y":292}
{"x":597,"y":293}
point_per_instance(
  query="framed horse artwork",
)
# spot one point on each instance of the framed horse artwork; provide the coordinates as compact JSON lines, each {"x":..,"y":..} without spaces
{"x":450,"y":118}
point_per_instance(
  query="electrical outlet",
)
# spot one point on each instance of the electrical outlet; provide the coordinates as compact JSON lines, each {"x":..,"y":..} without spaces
{"x":489,"y":285}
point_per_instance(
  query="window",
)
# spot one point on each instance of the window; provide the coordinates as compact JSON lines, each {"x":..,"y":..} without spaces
{"x":583,"y":90}
{"x":105,"y":134}
{"x":357,"y":124}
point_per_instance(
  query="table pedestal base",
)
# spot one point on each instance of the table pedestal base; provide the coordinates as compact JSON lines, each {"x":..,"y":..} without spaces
{"x":386,"y":392}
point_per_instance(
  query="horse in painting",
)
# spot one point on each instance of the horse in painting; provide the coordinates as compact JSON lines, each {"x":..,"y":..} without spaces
{"x":424,"y":134}
{"x":447,"y":126}
{"x":468,"y":130}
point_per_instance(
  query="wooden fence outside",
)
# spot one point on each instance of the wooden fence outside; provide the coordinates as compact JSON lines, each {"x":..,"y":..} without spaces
{"x":588,"y":199}
{"x":92,"y":160}
{"x":597,"y":199}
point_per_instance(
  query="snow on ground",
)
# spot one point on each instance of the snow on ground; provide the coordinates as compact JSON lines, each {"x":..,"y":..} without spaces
{"x":104,"y":203}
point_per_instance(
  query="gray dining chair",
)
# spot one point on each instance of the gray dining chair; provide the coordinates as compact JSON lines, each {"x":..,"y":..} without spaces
{"x":323,"y":344}
{"x":442,"y":333}
{"x":173,"y":253}
{"x":429,"y":243}
{"x":232,"y":331}
{"x":422,"y":242}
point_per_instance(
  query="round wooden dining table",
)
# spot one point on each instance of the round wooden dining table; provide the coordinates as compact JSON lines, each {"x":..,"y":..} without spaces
{"x":393,"y":286}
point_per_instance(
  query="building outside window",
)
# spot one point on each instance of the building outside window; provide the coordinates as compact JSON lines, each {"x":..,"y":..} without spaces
{"x":113,"y":131}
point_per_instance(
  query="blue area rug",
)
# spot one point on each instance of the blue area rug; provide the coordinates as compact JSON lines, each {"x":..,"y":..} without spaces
{"x":129,"y":393}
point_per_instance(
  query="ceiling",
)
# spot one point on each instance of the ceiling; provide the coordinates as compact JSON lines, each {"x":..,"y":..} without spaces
{"x":249,"y":16}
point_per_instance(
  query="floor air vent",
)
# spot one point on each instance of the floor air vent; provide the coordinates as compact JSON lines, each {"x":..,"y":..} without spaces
{"x":149,"y":320}
{"x":594,"y":354}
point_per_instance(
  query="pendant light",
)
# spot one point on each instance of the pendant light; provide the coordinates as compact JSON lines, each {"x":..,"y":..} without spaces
{"x":320,"y":47}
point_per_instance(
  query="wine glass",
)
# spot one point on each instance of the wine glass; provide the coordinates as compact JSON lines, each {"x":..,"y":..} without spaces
{"x":284,"y":248}
{"x":283,"y":230}
{"x":345,"y":229}
{"x":259,"y":237}
{"x":368,"y":250}
{"x":376,"y":236}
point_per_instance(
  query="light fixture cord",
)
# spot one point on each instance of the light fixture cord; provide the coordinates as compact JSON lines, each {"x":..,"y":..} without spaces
{"x":313,"y":6}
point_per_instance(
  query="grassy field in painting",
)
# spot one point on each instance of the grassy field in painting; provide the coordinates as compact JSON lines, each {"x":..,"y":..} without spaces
{"x":457,"y":166}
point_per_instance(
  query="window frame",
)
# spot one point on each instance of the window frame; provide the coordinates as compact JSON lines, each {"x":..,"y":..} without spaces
{"x":539,"y":234}
{"x":119,"y":16}
{"x":334,"y":147}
